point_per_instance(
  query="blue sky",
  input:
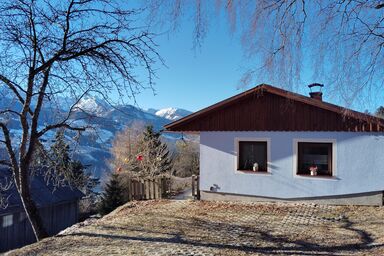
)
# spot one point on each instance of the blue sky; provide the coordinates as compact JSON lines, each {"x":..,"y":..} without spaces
{"x":197,"y":78}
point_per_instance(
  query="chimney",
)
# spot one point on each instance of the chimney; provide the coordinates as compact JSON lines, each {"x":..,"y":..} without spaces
{"x":316,"y":94}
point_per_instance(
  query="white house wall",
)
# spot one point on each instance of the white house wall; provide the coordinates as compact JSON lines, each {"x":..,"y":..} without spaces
{"x":359,"y":165}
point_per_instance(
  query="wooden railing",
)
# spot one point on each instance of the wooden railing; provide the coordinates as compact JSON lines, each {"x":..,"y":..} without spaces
{"x":196,"y":187}
{"x":149,"y":188}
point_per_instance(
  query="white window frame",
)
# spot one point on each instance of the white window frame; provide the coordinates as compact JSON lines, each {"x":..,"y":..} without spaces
{"x":7,"y":220}
{"x":334,"y":158}
{"x":252,"y":139}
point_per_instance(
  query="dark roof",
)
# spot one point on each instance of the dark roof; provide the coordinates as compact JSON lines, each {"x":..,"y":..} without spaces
{"x":42,"y":193}
{"x":268,"y":108}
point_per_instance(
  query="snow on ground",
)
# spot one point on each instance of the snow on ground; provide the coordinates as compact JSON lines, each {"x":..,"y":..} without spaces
{"x":104,"y":135}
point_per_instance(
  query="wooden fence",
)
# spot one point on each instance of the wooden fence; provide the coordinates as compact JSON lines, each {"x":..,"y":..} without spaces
{"x":196,"y":187}
{"x":149,"y":188}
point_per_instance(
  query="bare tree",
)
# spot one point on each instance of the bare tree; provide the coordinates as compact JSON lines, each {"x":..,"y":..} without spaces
{"x":70,"y":48}
{"x":339,"y":43}
{"x":5,"y":187}
{"x":140,"y":154}
{"x":186,"y":161}
{"x":125,"y":148}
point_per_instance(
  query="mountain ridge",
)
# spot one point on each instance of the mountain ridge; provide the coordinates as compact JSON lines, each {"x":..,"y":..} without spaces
{"x":93,"y":146}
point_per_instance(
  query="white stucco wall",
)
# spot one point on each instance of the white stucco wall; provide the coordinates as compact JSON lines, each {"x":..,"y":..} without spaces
{"x":359,"y":165}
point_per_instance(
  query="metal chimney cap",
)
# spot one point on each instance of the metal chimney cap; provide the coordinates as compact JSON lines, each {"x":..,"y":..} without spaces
{"x":316,"y":85}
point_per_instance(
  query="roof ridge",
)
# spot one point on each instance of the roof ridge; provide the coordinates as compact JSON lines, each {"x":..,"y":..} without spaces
{"x":287,"y":94}
{"x":322,"y":104}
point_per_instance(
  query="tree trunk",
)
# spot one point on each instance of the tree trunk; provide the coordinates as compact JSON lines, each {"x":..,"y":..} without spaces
{"x":34,"y":218}
{"x":31,"y":208}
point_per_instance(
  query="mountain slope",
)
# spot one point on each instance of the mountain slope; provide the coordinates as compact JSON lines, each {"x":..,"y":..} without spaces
{"x":172,"y":113}
{"x":93,"y":146}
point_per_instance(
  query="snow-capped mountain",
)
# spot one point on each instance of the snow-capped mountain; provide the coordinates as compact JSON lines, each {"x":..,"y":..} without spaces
{"x":171,"y":113}
{"x":93,"y":146}
{"x":92,"y":105}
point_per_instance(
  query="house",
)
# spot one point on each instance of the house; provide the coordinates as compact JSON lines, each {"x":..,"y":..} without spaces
{"x":271,"y":144}
{"x":58,"y":208}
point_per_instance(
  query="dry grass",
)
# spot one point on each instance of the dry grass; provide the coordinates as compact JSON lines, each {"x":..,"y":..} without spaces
{"x":216,"y":228}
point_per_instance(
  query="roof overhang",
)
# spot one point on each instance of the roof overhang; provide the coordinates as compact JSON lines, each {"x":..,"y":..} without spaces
{"x":345,"y":113}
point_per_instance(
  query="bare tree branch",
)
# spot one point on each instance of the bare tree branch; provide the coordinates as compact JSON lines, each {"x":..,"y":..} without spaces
{"x":11,"y":152}
{"x":285,"y":40}
{"x":52,"y":50}
{"x":6,"y":163}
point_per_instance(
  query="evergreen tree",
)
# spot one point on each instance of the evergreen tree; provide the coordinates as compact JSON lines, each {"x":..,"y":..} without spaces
{"x":380,"y":112}
{"x":65,"y":171}
{"x":112,"y":196}
{"x":157,"y":157}
{"x":59,"y":151}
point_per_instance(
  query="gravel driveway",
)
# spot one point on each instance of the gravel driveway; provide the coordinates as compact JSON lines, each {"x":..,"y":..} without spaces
{"x":174,"y":227}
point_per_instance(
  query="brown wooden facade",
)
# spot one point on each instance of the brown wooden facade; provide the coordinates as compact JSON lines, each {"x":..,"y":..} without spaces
{"x":267,"y":108}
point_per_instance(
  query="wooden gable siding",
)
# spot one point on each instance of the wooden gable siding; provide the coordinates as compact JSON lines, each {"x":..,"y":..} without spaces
{"x":265,"y":111}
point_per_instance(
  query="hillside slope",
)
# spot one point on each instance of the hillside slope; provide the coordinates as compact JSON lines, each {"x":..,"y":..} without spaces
{"x":93,"y":146}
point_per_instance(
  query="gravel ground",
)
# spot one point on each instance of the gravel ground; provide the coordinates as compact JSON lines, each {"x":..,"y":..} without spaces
{"x":174,"y":227}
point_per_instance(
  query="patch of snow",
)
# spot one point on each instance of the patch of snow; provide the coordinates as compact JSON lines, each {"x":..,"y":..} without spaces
{"x":92,"y":105}
{"x":78,"y":123}
{"x":172,"y":113}
{"x":104,"y":135}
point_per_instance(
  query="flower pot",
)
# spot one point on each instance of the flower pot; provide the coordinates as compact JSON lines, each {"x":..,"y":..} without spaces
{"x":255,"y":167}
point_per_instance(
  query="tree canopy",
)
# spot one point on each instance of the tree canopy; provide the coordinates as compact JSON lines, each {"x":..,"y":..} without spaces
{"x":56,"y":50}
{"x":338,"y":43}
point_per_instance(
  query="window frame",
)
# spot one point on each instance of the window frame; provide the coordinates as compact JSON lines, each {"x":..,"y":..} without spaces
{"x":9,"y":222}
{"x":320,"y":141}
{"x":237,"y":152}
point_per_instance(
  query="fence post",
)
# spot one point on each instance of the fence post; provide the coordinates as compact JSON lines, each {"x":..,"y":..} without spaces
{"x":149,"y":189}
{"x":146,"y":189}
{"x":193,"y":186}
{"x":198,"y":187}
{"x":152,"y":188}
{"x":129,"y":189}
{"x":141,"y":183}
{"x":160,"y":187}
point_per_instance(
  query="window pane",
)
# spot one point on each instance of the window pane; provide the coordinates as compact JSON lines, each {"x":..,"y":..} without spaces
{"x":253,"y":153}
{"x":316,"y":156}
{"x":7,"y":220}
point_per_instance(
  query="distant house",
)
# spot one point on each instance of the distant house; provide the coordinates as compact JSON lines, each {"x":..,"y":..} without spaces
{"x":58,"y":208}
{"x":271,"y":144}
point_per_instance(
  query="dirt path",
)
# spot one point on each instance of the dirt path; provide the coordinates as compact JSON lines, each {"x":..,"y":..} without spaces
{"x":184,"y":227}
{"x":186,"y":194}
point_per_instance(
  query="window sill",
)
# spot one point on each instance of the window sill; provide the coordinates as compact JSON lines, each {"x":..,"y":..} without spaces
{"x":253,"y":172}
{"x":320,"y":177}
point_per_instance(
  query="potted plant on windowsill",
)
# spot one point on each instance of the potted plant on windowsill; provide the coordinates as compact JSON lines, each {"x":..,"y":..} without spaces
{"x":313,"y":170}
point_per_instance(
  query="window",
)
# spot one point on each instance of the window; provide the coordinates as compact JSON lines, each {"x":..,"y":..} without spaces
{"x":7,"y":220}
{"x":314,"y":159}
{"x":252,"y":156}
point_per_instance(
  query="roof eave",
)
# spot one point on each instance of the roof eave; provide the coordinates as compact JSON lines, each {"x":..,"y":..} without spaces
{"x":283,"y":93}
